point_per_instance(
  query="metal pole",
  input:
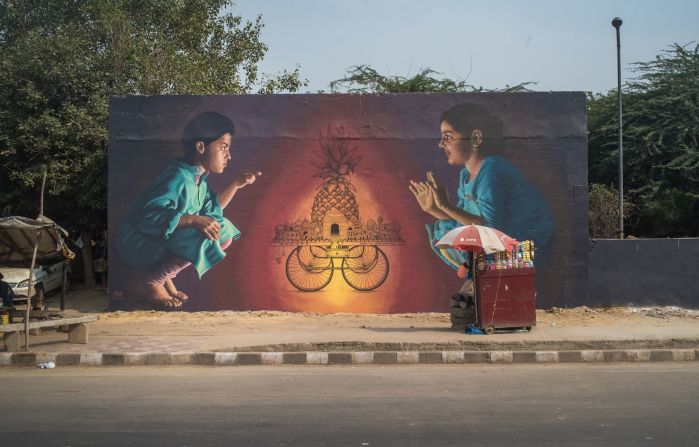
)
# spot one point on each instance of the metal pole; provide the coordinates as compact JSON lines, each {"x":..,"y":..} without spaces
{"x":616,"y":23}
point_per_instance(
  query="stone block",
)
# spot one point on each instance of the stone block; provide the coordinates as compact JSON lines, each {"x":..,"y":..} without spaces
{"x":408,"y":357}
{"x":218,"y":358}
{"x":295,"y":358}
{"x":683,"y":355}
{"x":430,"y":357}
{"x":24,"y":359}
{"x":316,"y":358}
{"x":158,"y":358}
{"x":501,"y":357}
{"x":77,"y":333}
{"x":249,"y":358}
{"x":5,"y":358}
{"x":385,"y":358}
{"x":135,"y":358}
{"x":523,"y":357}
{"x":547,"y":356}
{"x":570,"y":356}
{"x":182,"y":358}
{"x":453,"y":356}
{"x":91,"y":358}
{"x":616,"y":356}
{"x":272,"y":358}
{"x":638,"y":355}
{"x":67,"y":359}
{"x":661,"y":355}
{"x":12,"y":340}
{"x":592,"y":356}
{"x":476,"y":357}
{"x":363,"y":358}
{"x":339,"y":358}
{"x":113,"y":360}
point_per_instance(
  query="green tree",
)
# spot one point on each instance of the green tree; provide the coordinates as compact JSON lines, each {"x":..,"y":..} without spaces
{"x":364,"y":79}
{"x":661,"y":143}
{"x":60,"y":60}
{"x":603,"y":211}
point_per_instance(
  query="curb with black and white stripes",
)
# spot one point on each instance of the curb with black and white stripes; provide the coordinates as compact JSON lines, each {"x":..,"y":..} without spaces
{"x":348,"y":358}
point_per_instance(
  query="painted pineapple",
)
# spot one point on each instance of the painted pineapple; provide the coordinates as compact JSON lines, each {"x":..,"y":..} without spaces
{"x":337,"y":163}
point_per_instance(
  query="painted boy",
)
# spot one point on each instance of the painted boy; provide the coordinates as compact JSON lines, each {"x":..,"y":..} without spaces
{"x":178,"y":221}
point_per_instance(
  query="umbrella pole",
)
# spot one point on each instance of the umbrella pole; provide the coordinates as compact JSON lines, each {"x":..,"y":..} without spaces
{"x":475,"y":284}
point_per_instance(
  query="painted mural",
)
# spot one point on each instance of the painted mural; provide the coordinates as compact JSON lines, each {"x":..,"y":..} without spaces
{"x":336,"y":238}
{"x":333,"y":203}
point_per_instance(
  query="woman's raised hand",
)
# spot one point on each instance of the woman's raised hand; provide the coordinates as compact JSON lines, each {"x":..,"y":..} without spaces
{"x":423,"y":195}
{"x":439,"y":193}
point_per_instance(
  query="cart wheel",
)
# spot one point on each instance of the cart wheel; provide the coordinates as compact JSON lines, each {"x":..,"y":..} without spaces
{"x":490,"y":329}
{"x":366,"y":268}
{"x":309,"y":268}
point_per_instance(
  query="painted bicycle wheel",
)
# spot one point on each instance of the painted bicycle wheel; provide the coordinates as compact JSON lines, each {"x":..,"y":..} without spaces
{"x":365,"y":268}
{"x":308,"y":268}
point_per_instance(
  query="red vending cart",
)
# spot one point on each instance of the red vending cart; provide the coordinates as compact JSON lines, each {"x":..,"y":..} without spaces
{"x":505,"y":298}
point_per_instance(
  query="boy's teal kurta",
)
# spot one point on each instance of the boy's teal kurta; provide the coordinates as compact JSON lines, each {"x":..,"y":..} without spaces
{"x":149,"y":231}
{"x":503,"y":197}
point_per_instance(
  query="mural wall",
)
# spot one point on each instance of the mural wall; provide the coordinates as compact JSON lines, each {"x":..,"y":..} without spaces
{"x":332,"y":203}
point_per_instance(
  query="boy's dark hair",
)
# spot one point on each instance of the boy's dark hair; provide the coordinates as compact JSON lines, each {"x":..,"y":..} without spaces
{"x":205,"y":127}
{"x":467,"y":116}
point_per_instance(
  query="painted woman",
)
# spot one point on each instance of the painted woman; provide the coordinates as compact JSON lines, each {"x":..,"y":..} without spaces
{"x":492,"y":190}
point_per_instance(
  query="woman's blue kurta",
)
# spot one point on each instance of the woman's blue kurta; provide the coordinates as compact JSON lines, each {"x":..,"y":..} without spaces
{"x":149,"y":231}
{"x":503,"y":197}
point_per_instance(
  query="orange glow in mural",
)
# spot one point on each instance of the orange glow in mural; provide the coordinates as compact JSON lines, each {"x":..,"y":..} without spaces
{"x":334,"y":256}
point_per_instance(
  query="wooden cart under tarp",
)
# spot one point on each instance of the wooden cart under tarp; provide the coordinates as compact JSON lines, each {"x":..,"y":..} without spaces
{"x":26,"y":242}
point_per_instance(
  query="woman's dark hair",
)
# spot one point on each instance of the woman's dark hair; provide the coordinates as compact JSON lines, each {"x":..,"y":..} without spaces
{"x":467,"y":117}
{"x":205,"y":127}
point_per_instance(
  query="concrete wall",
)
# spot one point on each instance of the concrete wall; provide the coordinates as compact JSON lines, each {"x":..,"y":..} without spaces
{"x":644,"y":272}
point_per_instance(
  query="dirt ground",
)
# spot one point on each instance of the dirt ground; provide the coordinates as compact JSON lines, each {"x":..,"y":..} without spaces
{"x":95,"y":301}
{"x":268,"y":330}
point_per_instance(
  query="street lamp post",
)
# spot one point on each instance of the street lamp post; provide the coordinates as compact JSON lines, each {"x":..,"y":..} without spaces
{"x":616,"y":23}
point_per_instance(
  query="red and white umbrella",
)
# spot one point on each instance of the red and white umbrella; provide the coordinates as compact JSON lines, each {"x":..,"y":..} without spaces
{"x":477,"y":238}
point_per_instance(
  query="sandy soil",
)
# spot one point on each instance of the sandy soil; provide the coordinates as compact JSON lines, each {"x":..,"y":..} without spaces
{"x":95,"y":301}
{"x":230,"y":331}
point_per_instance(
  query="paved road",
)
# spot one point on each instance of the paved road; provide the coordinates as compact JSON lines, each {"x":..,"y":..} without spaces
{"x":509,"y":405}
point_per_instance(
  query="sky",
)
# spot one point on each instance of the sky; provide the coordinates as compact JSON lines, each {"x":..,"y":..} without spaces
{"x":561,"y":45}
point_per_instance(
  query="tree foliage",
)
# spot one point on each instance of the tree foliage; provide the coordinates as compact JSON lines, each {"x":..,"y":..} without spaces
{"x":365,"y":79}
{"x":60,"y":60}
{"x":661,"y":143}
{"x":603,"y":212}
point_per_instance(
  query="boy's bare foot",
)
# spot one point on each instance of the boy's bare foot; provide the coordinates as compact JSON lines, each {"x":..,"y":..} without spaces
{"x":173,"y":292}
{"x":156,"y":294}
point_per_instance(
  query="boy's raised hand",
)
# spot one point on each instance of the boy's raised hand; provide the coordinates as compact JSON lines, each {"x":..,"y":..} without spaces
{"x":247,"y":178}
